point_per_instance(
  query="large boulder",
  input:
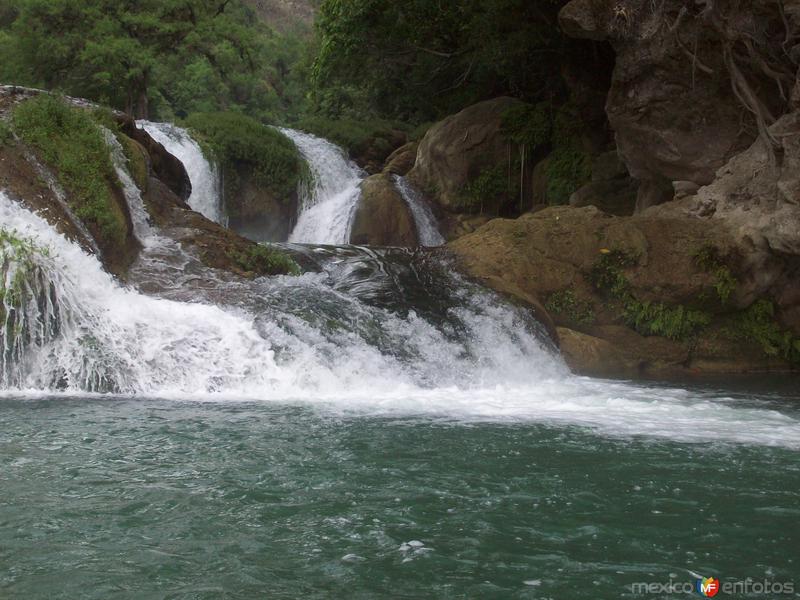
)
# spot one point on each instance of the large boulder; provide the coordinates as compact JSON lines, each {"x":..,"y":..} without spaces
{"x":460,"y":148}
{"x":382,"y":217}
{"x":401,"y":161}
{"x":258,"y":214}
{"x":650,"y":296}
{"x":670,"y":104}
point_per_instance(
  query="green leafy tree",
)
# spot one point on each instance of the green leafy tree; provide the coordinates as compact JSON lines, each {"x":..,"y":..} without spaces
{"x":161,"y":58}
{"x":420,"y":59}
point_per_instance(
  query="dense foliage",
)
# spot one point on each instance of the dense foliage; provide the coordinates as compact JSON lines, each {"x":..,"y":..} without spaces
{"x":239,"y":142}
{"x":151,"y":58}
{"x":69,"y":140}
{"x":418,"y":59}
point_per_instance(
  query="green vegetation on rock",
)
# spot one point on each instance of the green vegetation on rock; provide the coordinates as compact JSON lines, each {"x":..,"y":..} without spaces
{"x":647,"y":318}
{"x":265,"y":260}
{"x":567,"y":305}
{"x":240,"y":143}
{"x":708,"y":259}
{"x":69,"y":141}
{"x":17,"y":256}
{"x":758,"y":323}
{"x":488,"y":189}
{"x":354,"y":135}
{"x":537,"y":129}
{"x":6,"y":133}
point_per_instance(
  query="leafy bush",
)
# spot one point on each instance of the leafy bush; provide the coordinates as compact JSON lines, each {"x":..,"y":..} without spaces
{"x":68,"y":140}
{"x":239,"y":142}
{"x":542,"y":127}
{"x":656,"y":318}
{"x":267,"y":260}
{"x":529,"y":125}
{"x":488,"y":188}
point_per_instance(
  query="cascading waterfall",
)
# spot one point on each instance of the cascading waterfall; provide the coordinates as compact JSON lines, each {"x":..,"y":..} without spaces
{"x":206,"y":195}
{"x":328,"y":205}
{"x":427,"y":228}
{"x":372,"y":331}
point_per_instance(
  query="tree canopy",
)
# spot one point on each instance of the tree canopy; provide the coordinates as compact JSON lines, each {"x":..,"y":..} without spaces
{"x":419,"y":59}
{"x":168,"y":57}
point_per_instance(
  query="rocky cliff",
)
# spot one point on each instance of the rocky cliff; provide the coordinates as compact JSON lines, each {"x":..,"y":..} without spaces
{"x":703,"y":279}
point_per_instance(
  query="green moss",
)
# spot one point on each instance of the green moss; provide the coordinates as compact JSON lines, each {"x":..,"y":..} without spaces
{"x":69,"y":141}
{"x":266,"y":260}
{"x":240,"y":144}
{"x":758,"y":324}
{"x":568,"y":306}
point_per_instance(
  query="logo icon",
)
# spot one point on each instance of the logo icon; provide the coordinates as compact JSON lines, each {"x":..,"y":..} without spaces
{"x":708,"y":587}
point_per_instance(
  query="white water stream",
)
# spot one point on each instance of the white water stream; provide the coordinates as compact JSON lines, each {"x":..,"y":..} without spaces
{"x":328,"y":206}
{"x":206,"y":195}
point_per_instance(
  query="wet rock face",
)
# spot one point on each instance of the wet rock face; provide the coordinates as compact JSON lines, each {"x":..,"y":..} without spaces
{"x":382,"y":217}
{"x":671,"y":104}
{"x":458,"y":149}
{"x":557,"y":258}
{"x":259,"y":215}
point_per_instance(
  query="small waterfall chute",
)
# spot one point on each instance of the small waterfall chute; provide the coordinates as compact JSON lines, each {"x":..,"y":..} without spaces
{"x":204,"y":175}
{"x":328,"y":204}
{"x":427,"y":227}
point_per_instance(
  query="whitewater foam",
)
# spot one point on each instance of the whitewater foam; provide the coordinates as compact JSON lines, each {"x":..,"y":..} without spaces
{"x":206,"y":195}
{"x":328,"y":204}
{"x":485,"y":364}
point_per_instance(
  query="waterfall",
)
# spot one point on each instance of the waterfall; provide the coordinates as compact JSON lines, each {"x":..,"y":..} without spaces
{"x":427,"y":228}
{"x":206,"y":195}
{"x":378,"y":332}
{"x":329,"y":203}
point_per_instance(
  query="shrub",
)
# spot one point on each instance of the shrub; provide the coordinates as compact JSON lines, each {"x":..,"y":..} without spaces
{"x":239,"y":142}
{"x":70,"y":141}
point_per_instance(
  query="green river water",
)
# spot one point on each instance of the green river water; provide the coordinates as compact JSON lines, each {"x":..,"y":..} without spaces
{"x":123,"y":498}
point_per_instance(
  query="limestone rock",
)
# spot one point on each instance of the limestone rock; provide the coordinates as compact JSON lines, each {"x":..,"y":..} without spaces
{"x":382,"y":217}
{"x":458,"y":149}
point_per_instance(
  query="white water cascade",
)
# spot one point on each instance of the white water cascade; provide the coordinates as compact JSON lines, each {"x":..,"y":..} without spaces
{"x":312,"y":339}
{"x":206,"y":195}
{"x":328,"y":206}
{"x":427,"y":228}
